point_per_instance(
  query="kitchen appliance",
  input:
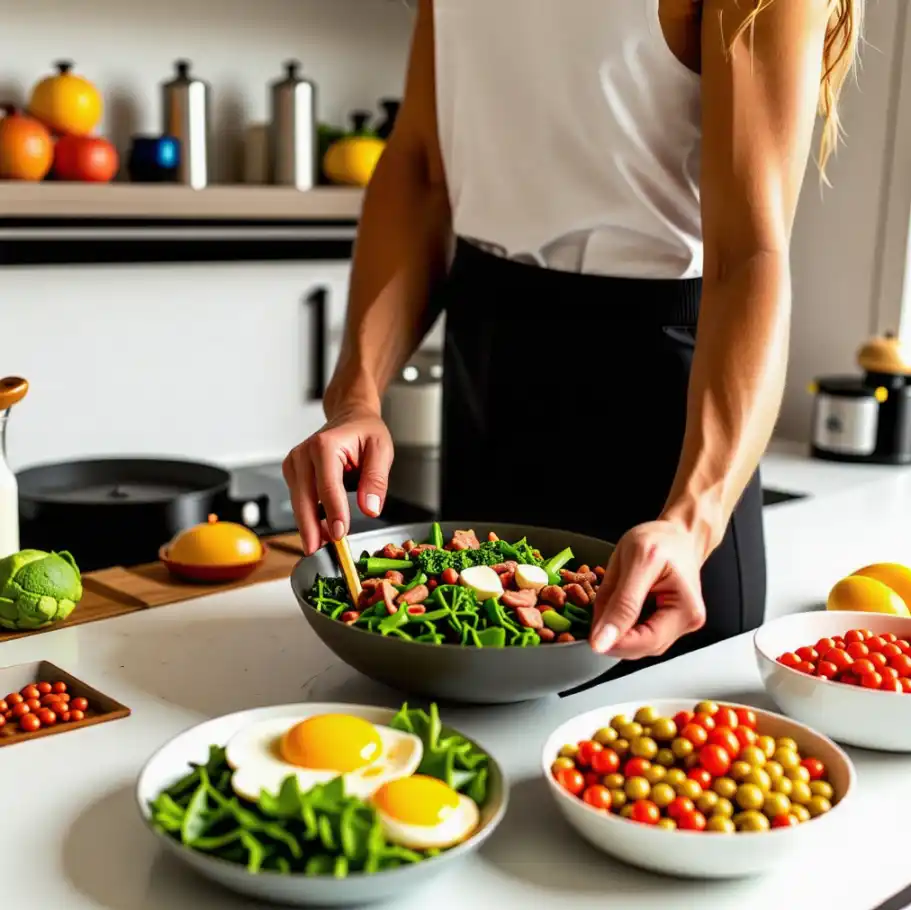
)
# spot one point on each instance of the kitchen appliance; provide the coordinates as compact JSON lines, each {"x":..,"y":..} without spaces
{"x":867,"y":418}
{"x":293,"y":130}
{"x":119,"y":511}
{"x":413,"y":411}
{"x":12,"y":390}
{"x":186,"y":117}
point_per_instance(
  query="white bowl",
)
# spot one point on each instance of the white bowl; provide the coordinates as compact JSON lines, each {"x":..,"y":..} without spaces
{"x":693,"y":854}
{"x":171,"y":762}
{"x":849,"y":714}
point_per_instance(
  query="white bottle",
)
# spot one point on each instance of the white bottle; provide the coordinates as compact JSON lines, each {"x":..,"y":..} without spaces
{"x":9,"y":498}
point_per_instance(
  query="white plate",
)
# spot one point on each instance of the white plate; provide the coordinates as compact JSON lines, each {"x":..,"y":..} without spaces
{"x":171,"y":762}
{"x":692,"y":854}
{"x":849,"y":714}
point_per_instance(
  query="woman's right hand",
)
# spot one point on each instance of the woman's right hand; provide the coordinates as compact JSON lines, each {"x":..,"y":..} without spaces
{"x":314,"y":472}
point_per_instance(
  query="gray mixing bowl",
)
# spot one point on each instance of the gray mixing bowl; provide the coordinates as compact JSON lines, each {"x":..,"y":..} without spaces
{"x":452,"y":672}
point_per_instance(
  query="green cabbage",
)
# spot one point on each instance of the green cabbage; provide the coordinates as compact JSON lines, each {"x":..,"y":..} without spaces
{"x":37,"y":589}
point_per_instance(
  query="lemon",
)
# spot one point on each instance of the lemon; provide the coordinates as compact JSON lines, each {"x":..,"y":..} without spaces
{"x":858,"y":592}
{"x":893,"y":575}
{"x":352,"y":161}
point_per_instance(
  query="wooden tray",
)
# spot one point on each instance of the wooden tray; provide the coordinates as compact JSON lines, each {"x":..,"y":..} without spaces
{"x":119,"y":591}
{"x":102,"y":708}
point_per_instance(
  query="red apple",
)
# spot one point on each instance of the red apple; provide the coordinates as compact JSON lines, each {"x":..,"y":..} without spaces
{"x":87,"y":159}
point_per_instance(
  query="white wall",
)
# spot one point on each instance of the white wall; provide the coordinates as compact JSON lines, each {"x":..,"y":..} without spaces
{"x":207,"y":361}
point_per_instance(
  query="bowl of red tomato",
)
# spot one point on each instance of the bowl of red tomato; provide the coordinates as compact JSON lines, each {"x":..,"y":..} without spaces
{"x":696,"y":789}
{"x":847,"y":674}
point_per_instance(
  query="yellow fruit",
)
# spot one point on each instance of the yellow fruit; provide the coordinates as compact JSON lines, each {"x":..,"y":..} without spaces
{"x":66,"y":103}
{"x":352,"y":161}
{"x":216,"y":543}
{"x":893,"y":575}
{"x":857,"y":592}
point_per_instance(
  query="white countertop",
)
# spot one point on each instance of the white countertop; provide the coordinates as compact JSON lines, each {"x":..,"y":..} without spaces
{"x":71,"y":839}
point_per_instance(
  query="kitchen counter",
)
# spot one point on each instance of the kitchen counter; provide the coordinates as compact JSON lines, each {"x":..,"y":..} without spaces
{"x":71,"y":837}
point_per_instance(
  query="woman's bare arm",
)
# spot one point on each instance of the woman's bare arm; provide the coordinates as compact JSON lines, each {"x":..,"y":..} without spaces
{"x":759,"y":107}
{"x":401,"y":246}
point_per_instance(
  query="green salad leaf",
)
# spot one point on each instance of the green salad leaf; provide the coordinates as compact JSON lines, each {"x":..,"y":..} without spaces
{"x":322,"y":831}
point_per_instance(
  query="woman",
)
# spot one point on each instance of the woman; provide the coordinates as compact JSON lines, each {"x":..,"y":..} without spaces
{"x":620,"y":178}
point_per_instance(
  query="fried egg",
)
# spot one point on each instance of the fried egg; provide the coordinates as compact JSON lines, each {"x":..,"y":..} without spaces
{"x":318,"y":749}
{"x":422,"y":813}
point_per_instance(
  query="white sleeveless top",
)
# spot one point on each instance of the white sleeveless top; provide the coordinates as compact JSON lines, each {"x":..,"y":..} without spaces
{"x":570,"y":135}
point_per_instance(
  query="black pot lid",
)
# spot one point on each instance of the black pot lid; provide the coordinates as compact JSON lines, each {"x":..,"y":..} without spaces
{"x":120,"y":481}
{"x":844,"y":387}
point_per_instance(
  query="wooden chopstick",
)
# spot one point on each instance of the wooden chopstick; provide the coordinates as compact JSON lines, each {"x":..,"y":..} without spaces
{"x":349,"y":569}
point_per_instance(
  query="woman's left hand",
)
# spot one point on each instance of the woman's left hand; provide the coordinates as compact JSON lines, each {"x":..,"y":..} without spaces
{"x":661,"y":558}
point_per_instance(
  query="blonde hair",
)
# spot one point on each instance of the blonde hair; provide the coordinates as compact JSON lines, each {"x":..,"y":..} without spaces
{"x":840,"y":54}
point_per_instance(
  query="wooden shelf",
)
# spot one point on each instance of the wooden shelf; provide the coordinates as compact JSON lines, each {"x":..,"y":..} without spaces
{"x":151,"y":203}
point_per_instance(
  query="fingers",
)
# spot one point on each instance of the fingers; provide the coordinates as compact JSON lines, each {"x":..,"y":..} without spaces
{"x":329,"y":473}
{"x":374,"y":481}
{"x":298,"y":473}
{"x":637,"y":570}
{"x":653,"y":636}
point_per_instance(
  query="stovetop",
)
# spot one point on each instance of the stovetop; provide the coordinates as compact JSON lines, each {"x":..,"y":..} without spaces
{"x":266,"y":479}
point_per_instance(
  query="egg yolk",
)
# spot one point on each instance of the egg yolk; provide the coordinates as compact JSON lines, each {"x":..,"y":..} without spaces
{"x":331,"y":742}
{"x":417,"y":800}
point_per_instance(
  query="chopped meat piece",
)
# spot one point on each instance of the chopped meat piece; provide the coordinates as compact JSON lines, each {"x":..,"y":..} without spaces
{"x":508,"y":580}
{"x":509,"y":566}
{"x":395,"y":577}
{"x":530,"y":617}
{"x":553,"y":595}
{"x":577,"y":578}
{"x":349,"y":617}
{"x":590,"y":591}
{"x":565,"y":638}
{"x":546,"y":634}
{"x":416,"y":595}
{"x":408,"y":546}
{"x":576,"y":595}
{"x":465,"y":540}
{"x":518,"y":599}
{"x":391,"y":551}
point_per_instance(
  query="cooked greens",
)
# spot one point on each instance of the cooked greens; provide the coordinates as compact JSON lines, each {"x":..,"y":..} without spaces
{"x":319,"y":832}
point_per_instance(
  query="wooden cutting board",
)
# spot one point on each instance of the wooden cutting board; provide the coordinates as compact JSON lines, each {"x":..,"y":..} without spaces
{"x":119,"y":591}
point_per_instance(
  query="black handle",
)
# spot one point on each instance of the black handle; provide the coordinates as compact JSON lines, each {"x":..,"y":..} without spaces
{"x":230,"y":509}
{"x":317,"y":302}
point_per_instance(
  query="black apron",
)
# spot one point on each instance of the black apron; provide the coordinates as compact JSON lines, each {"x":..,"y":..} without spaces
{"x":564,"y":406}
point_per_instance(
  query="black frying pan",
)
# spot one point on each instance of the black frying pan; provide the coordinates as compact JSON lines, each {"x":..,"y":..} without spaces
{"x":119,"y":511}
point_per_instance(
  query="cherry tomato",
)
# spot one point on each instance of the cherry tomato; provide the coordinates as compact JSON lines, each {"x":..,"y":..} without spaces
{"x":636,"y":767}
{"x":76,"y":715}
{"x":871,"y":680}
{"x":701,"y":775}
{"x":729,"y":740}
{"x":20,"y":710}
{"x":82,"y":704}
{"x":598,"y":797}
{"x":806,"y":667}
{"x":904,"y":644}
{"x":3,"y":706}
{"x":888,"y":637}
{"x":44,"y":687}
{"x":30,"y":691}
{"x":725,"y":717}
{"x":857,"y":649}
{"x":826,"y":669}
{"x":33,"y":703}
{"x":591,"y":779}
{"x":58,"y":687}
{"x":789,"y":659}
{"x":816,"y":768}
{"x":716,"y":760}
{"x":785,"y":821}
{"x":604,"y":762}
{"x":807,"y":653}
{"x":706,"y":721}
{"x":878,"y":659}
{"x":888,"y":672}
{"x":587,"y":748}
{"x":29,"y":723}
{"x":691,"y":821}
{"x":680,"y":806}
{"x":891,"y":650}
{"x":840,"y":658}
{"x":902,"y":663}
{"x":14,"y":698}
{"x":890,"y":685}
{"x":645,"y":812}
{"x":824,"y":645}
{"x":51,"y":699}
{"x":569,"y":779}
{"x":682,"y":718}
{"x":64,"y":716}
{"x":862,"y":666}
{"x":47,"y":717}
{"x":853,"y":636}
{"x":874,"y":643}
{"x":745,"y":736}
{"x":2,"y":721}
{"x":849,"y":679}
{"x":696,"y":734}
